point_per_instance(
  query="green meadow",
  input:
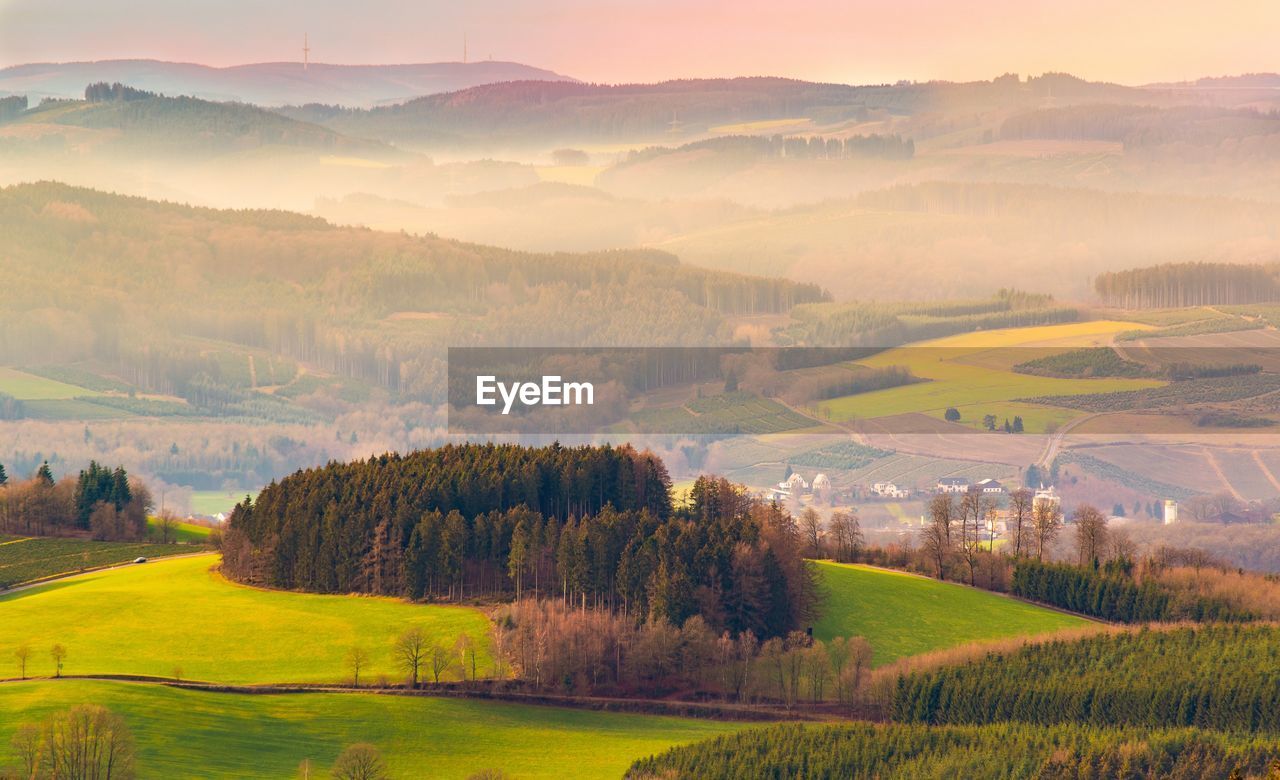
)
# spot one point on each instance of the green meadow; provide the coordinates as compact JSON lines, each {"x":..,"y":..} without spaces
{"x":188,"y":733}
{"x":182,"y":531}
{"x":29,"y":387}
{"x":903,"y":614}
{"x":153,"y":617}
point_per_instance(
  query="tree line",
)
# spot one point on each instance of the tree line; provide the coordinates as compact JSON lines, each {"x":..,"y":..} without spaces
{"x":749,"y":148}
{"x":100,"y":501}
{"x":1113,"y":594}
{"x":1187,"y":284}
{"x":1224,"y":677}
{"x":553,"y":646}
{"x":866,"y":751}
{"x":593,"y":526}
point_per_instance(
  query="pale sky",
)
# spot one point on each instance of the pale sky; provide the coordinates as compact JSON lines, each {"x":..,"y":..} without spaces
{"x":850,"y":41}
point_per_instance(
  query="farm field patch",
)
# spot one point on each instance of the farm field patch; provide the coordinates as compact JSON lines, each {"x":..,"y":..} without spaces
{"x":34,"y":558}
{"x":29,"y":387}
{"x":903,"y":614}
{"x":975,"y":369}
{"x":228,"y":735}
{"x":149,"y":619}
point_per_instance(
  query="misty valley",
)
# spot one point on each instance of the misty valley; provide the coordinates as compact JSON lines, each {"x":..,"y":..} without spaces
{"x":482,"y":420}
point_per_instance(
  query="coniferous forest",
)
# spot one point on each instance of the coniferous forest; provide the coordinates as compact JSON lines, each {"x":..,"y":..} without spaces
{"x":910,"y":752}
{"x":591,"y":525}
{"x":1224,"y":677}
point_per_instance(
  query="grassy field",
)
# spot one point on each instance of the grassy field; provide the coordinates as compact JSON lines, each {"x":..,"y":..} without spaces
{"x":902,"y":614}
{"x":147,"y":619}
{"x":183,"y":532}
{"x":182,"y":733}
{"x":760,"y":125}
{"x":738,"y":412}
{"x":27,"y":559}
{"x":211,"y":502}
{"x":973,"y":371}
{"x":29,"y":387}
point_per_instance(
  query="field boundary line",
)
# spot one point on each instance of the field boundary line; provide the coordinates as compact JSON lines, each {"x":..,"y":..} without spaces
{"x":21,"y":586}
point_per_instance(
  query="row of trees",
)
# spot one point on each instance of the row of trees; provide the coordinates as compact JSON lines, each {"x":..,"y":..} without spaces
{"x":1187,"y":284}
{"x":555,"y":647}
{"x":748,"y":148}
{"x":104,"y":502}
{"x":86,"y":741}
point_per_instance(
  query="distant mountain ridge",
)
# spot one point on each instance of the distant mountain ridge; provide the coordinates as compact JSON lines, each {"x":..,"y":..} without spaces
{"x":269,"y":83}
{"x":573,"y":112}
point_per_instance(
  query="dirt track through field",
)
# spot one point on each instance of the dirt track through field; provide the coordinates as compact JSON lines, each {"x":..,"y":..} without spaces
{"x":1221,"y":474}
{"x":1266,"y":472}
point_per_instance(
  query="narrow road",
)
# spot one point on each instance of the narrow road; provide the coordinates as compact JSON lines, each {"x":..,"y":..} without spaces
{"x":112,"y":567}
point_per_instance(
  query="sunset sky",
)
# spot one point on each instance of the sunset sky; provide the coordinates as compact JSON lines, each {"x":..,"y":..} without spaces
{"x":1129,"y":41}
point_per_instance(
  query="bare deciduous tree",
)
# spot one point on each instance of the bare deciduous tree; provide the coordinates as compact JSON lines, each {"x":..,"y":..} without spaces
{"x":357,"y":659}
{"x":935,"y":537}
{"x":59,"y":655}
{"x":167,"y":523}
{"x":360,"y":761}
{"x":441,"y":659}
{"x":1091,"y":534}
{"x":87,"y":741}
{"x":1046,"y":520}
{"x":410,"y":651}
{"x":22,"y":654}
{"x":811,"y":528}
{"x":1020,"y":507}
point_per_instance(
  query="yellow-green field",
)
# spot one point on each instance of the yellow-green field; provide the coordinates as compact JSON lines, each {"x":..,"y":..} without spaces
{"x":29,"y":387}
{"x":902,"y":614}
{"x":150,"y":618}
{"x":760,"y":125}
{"x":972,"y":372}
{"x":182,"y":532}
{"x":186,"y":733}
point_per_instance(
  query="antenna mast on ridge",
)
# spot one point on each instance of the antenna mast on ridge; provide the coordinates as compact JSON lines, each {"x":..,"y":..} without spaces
{"x":306,"y":52}
{"x":464,"y":48}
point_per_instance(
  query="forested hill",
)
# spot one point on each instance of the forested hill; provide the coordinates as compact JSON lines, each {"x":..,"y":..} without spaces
{"x":267,"y":83}
{"x":571,"y":110}
{"x":126,"y":119}
{"x":142,"y":286}
{"x":588,"y":524}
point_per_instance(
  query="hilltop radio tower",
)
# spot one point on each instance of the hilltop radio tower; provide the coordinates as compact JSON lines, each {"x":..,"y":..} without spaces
{"x":306,"y":52}
{"x":464,"y":48}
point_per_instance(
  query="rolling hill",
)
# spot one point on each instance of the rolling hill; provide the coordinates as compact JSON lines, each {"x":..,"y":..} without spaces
{"x":904,"y":614}
{"x":161,"y":126}
{"x":528,"y":113}
{"x":268,"y":83}
{"x":143,"y":620}
{"x":228,"y":735}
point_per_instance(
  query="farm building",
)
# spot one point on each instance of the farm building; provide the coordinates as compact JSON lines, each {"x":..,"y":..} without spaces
{"x":953,"y":485}
{"x":821,"y":486}
{"x":1045,"y":495}
{"x":889,"y":490}
{"x":793,"y":484}
{"x":989,"y":486}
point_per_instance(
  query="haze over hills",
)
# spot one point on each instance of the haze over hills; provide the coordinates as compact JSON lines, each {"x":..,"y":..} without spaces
{"x":523,"y":114}
{"x":268,"y":83}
